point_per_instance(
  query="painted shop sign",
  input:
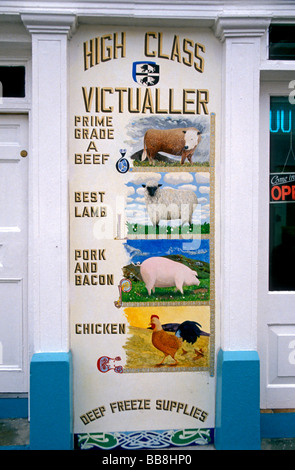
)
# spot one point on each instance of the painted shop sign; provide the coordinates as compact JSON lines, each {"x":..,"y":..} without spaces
{"x":144,"y":109}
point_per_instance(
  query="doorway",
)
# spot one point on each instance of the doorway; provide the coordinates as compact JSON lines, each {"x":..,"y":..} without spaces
{"x":14,"y":253}
{"x":276,"y":333}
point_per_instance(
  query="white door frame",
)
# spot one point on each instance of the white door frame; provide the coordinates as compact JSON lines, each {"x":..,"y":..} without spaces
{"x":275,"y":309}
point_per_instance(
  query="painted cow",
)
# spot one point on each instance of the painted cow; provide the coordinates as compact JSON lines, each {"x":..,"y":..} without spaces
{"x":164,"y":272}
{"x":181,"y":142}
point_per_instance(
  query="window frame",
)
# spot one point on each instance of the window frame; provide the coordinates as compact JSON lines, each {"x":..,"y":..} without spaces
{"x":17,"y":104}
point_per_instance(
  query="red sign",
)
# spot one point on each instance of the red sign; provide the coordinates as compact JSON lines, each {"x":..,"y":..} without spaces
{"x":282,"y":187}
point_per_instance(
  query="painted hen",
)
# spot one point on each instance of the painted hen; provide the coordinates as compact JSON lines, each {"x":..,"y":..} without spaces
{"x":169,"y":344}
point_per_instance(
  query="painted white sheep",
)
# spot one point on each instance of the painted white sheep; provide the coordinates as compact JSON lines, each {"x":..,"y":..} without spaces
{"x":169,"y":203}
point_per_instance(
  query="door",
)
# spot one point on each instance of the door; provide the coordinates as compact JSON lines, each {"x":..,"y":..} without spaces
{"x":276,"y":301}
{"x":13,"y":253}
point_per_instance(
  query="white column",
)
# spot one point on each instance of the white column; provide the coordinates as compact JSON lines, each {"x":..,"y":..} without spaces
{"x":48,"y":286}
{"x":240,"y":179}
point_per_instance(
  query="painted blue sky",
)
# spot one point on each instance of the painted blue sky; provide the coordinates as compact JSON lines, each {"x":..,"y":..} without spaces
{"x":198,"y":182}
{"x":139,"y":250}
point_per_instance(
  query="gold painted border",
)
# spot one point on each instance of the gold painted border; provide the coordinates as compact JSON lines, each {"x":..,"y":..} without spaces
{"x":165,"y":369}
{"x":166,"y":304}
{"x":212,"y":243}
{"x":177,"y":169}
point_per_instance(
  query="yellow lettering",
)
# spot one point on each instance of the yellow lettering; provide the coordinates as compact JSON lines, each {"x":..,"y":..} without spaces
{"x":175,"y":53}
{"x":106,"y":51}
{"x":147,"y":51}
{"x":148,"y":102}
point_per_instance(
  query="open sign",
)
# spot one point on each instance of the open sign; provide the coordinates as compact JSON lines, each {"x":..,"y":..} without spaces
{"x":282,"y":187}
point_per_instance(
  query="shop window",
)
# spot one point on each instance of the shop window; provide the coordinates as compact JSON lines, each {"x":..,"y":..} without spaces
{"x":12,"y":81}
{"x":282,"y":195}
{"x":282,"y":42}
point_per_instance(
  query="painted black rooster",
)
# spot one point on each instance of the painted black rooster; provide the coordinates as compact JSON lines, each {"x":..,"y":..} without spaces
{"x":188,"y":330}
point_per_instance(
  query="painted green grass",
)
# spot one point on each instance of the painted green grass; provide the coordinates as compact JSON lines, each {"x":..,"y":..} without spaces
{"x":139,"y":293}
{"x":158,"y":163}
{"x":139,"y":229}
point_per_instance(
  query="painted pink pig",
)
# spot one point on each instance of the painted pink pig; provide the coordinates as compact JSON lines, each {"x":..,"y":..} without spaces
{"x":163,"y":272}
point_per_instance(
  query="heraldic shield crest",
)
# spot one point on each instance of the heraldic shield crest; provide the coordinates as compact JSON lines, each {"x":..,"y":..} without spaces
{"x":146,"y":73}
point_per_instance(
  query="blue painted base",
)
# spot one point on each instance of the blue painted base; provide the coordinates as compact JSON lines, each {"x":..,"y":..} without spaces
{"x":277,"y":425}
{"x":51,"y":402}
{"x":13,"y":408}
{"x":237,"y":401}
